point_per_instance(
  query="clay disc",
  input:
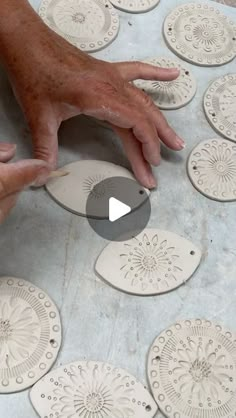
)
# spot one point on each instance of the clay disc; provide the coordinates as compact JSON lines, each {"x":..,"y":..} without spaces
{"x":212,"y":169}
{"x":30,"y":334}
{"x":200,"y":34}
{"x":220,"y":106}
{"x":91,"y":390}
{"x":88,"y":24}
{"x":153,"y":262}
{"x":192,"y":370}
{"x":170,"y":94}
{"x":135,"y":6}
{"x":86,"y":180}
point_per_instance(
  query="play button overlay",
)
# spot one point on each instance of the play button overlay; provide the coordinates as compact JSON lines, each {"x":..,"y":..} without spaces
{"x":118,"y":208}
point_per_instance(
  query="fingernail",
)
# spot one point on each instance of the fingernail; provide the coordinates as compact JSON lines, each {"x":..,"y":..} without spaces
{"x":152,"y":182}
{"x":5,"y":148}
{"x":174,"y":70}
{"x":41,"y":178}
{"x":180,"y":142}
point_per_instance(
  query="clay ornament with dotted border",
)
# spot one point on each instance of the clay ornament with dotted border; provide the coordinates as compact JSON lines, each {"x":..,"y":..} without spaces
{"x":200,"y":34}
{"x":212,"y":169}
{"x":192,"y":370}
{"x":135,"y":6}
{"x":220,"y":106}
{"x":30,"y":334}
{"x":92,"y":389}
{"x":90,"y":25}
{"x":172,"y":94}
{"x":151,"y":263}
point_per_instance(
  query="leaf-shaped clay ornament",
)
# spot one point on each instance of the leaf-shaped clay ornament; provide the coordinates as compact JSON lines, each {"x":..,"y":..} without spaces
{"x":86,"y":178}
{"x":153,"y":262}
{"x":91,"y":390}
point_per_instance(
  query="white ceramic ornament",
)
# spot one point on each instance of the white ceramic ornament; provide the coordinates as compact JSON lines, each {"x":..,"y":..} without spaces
{"x":91,"y":390}
{"x":220,"y":106}
{"x":153,"y":262}
{"x":174,"y":94}
{"x":200,"y":34}
{"x":72,"y":191}
{"x":135,"y":6}
{"x":88,"y":24}
{"x":30,"y":334}
{"x":212,"y":169}
{"x":192,"y":370}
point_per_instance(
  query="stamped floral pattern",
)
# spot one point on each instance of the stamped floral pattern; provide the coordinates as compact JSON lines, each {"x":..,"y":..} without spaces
{"x":200,"y":34}
{"x":197,"y":360}
{"x":170,"y":94}
{"x":153,"y":262}
{"x":92,"y":390}
{"x":220,"y":106}
{"x":212,"y":169}
{"x":19,"y":331}
{"x":87,"y":24}
{"x":30,"y":334}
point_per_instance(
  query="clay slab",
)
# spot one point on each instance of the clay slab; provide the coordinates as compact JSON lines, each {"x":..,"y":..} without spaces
{"x":135,"y":6}
{"x":212,"y":169}
{"x":91,"y":390}
{"x":30,"y":334}
{"x":200,"y":34}
{"x":192,"y":370}
{"x":220,"y":106}
{"x":72,"y":191}
{"x":90,"y":25}
{"x":153,"y":262}
{"x":174,"y":94}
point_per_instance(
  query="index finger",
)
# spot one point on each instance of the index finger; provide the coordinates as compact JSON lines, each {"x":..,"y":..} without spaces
{"x":135,"y":70}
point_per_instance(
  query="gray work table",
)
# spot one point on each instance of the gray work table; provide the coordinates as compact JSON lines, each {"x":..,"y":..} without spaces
{"x":56,"y":250}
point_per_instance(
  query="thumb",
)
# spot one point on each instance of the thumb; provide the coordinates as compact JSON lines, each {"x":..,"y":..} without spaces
{"x":45,"y":140}
{"x":14,"y":177}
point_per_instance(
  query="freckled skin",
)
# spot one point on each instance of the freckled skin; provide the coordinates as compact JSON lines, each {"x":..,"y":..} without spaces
{"x":54,"y":81}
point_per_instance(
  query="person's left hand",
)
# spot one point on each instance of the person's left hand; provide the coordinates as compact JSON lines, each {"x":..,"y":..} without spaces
{"x":15,"y":177}
{"x":55,"y":81}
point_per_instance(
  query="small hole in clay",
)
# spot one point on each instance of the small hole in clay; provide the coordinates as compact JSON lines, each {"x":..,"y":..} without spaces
{"x":170,"y":29}
{"x":187,"y":72}
{"x":106,"y":5}
{"x":213,"y":114}
{"x":194,"y":167}
{"x":52,"y":342}
{"x":158,"y":358}
{"x":234,"y":39}
{"x":192,"y":252}
{"x":148,"y":408}
{"x":141,"y":191}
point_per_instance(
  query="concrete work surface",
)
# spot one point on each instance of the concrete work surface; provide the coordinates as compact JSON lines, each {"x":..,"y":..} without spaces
{"x":56,"y":250}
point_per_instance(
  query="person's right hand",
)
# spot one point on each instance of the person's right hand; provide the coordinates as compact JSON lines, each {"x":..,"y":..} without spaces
{"x":15,"y":177}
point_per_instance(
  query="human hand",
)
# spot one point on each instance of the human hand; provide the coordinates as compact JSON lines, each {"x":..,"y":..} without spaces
{"x":15,"y":177}
{"x":55,"y":81}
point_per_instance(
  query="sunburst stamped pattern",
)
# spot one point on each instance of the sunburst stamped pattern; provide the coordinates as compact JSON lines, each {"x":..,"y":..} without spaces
{"x":86,"y":178}
{"x":212,"y":169}
{"x":91,"y":390}
{"x":88,"y":24}
{"x":30,"y":334}
{"x":170,"y":94}
{"x":135,"y":6}
{"x":154,"y":262}
{"x":220,"y":106}
{"x":192,"y":370}
{"x":200,"y":34}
